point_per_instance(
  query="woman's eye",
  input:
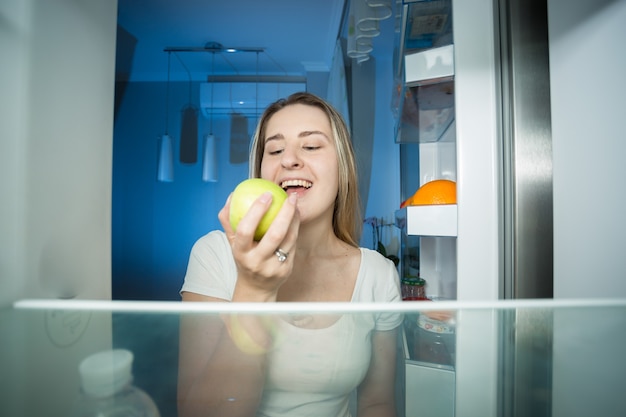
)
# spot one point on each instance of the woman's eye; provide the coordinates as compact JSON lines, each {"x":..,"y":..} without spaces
{"x":311,"y":147}
{"x":274,"y":151}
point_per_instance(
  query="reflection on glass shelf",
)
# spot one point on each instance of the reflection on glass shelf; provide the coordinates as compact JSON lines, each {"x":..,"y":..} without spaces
{"x":431,"y":338}
{"x":528,"y":357}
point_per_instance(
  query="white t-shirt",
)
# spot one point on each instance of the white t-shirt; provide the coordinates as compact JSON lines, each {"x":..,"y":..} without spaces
{"x":311,"y":372}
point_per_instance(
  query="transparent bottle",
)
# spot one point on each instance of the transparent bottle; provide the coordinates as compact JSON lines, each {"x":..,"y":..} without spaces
{"x":107,"y":389}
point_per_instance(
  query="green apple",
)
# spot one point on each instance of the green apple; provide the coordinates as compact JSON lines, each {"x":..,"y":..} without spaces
{"x":246,"y":193}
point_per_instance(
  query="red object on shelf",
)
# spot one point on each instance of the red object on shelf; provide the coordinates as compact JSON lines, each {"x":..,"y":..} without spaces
{"x":413,"y":289}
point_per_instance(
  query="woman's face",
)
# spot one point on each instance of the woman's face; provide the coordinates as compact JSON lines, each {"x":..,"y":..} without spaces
{"x":300,"y":156}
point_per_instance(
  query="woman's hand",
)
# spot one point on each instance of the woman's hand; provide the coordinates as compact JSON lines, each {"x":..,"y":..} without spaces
{"x":260,"y":272}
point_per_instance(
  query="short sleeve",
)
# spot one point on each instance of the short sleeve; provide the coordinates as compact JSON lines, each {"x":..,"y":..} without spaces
{"x":391,"y":291}
{"x":211,"y":269}
{"x":378,"y":282}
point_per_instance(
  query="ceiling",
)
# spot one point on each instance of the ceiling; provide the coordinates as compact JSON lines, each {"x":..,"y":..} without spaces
{"x":297,"y":36}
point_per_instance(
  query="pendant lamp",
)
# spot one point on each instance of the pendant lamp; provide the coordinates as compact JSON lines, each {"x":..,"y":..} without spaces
{"x":165,"y":167}
{"x":165,"y":171}
{"x":188,"y":127}
{"x":209,"y":161}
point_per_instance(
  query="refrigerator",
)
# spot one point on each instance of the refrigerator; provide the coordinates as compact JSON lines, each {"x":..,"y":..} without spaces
{"x":481,"y":252}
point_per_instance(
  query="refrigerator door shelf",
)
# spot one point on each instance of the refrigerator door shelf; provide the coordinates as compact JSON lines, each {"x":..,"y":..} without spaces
{"x":430,"y":220}
{"x":430,"y":391}
{"x":429,"y":66}
{"x":427,"y":114}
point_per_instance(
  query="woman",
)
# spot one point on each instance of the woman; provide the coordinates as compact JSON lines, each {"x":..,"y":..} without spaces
{"x":294,"y":365}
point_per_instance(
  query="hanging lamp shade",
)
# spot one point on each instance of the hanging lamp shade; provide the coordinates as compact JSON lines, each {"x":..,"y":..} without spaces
{"x":189,"y":135}
{"x":165,"y":163}
{"x":209,"y":162}
{"x":239,"y":139}
{"x":165,"y":170}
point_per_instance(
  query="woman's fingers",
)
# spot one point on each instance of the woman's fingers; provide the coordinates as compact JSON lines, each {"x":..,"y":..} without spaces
{"x":261,"y":268}
{"x":224,"y":217}
{"x":283,"y":231}
{"x":250,"y":221}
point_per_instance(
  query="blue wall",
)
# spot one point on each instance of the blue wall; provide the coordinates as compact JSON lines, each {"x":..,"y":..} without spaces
{"x":154,"y":225}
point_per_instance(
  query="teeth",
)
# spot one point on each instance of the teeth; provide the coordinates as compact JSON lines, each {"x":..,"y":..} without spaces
{"x":296,"y":183}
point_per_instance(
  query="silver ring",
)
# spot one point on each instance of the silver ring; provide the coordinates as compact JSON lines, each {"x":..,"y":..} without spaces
{"x":282,"y":255}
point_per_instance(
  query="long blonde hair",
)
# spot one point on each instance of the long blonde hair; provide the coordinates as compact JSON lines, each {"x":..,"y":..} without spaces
{"x":347,"y":217}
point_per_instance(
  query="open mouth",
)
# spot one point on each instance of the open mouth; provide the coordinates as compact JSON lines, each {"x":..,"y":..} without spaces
{"x":296,"y":185}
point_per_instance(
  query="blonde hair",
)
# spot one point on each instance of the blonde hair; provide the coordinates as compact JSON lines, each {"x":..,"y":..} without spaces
{"x":347,"y":218}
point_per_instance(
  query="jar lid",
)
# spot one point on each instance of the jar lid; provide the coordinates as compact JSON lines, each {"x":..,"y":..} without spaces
{"x":413,"y":281}
{"x":434,"y":326}
{"x":107,"y":372}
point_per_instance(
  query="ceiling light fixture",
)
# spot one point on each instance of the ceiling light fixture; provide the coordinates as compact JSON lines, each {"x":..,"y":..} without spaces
{"x":165,"y":167}
{"x":240,"y":95}
{"x":209,"y":162}
{"x":188,"y":148}
{"x":213,"y":47}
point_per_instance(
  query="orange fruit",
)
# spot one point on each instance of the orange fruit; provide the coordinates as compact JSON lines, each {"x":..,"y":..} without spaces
{"x":433,"y":192}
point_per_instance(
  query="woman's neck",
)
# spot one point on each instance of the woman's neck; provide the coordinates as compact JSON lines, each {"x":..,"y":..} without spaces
{"x":317,"y":239}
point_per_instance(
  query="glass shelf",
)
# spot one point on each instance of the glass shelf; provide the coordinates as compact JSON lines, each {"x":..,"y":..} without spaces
{"x":423,"y":92}
{"x":425,"y":25}
{"x":427,"y":112}
{"x":560,"y":355}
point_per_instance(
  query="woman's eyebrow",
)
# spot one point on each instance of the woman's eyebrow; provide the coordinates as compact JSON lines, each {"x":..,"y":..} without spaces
{"x":312,"y":132}
{"x":277,"y":136}
{"x":302,"y":134}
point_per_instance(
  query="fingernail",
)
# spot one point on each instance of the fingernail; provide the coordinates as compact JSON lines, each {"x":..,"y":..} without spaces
{"x":293,"y":198}
{"x":265,"y":197}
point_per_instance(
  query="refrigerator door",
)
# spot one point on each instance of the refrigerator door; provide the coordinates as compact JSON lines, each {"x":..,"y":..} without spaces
{"x":502,"y":247}
{"x":504,"y":196}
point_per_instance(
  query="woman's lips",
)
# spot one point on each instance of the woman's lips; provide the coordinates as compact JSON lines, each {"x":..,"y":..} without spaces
{"x":300,"y":191}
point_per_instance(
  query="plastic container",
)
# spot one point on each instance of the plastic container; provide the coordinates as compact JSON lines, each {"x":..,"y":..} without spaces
{"x":107,"y":389}
{"x":413,"y":289}
{"x":435,"y":341}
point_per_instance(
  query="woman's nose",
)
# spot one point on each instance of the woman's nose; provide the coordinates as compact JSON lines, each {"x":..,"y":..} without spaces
{"x":290,"y":158}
